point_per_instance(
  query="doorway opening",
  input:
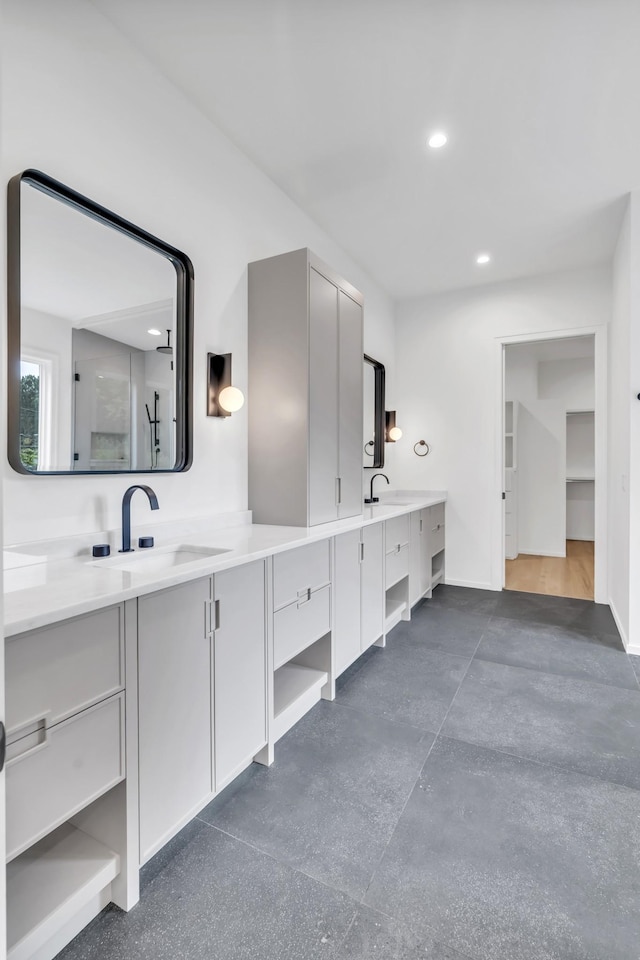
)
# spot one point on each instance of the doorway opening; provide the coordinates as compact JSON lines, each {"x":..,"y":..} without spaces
{"x":549,"y":462}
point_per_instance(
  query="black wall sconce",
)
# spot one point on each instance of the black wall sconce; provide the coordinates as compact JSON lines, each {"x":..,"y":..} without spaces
{"x":223,"y":399}
{"x":391,"y":431}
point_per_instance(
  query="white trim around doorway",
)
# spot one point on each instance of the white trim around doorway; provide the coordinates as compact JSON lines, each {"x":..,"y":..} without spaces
{"x":600,"y":370}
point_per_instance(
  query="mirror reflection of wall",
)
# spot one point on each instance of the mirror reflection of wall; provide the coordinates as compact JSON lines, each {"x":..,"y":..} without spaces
{"x":97,"y":332}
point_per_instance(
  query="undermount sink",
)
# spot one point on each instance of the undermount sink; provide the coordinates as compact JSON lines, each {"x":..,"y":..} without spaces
{"x":392,"y":503}
{"x":157,"y":559}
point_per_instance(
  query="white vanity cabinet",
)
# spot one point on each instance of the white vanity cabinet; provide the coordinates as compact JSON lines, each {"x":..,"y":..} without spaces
{"x":397,"y":531}
{"x":358,"y":592}
{"x":202,"y":684}
{"x":305,"y":382}
{"x":347,"y":630}
{"x":175,"y":669}
{"x":372,"y":587}
{"x":301,"y":634}
{"x":420,"y":556}
{"x":65,"y":700}
{"x":426,"y":564}
{"x":240,"y":669}
{"x":436,"y":543}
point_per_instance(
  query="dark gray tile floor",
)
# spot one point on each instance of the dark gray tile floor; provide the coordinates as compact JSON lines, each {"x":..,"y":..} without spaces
{"x":472,"y":794}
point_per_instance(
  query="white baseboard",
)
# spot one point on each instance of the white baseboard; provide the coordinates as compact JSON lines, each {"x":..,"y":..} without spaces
{"x":634,"y":651}
{"x":469,"y":583}
{"x":622,"y":631}
{"x":542,"y":553}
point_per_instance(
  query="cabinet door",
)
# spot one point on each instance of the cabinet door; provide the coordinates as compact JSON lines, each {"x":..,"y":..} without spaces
{"x":323,"y":399}
{"x":350,"y":366}
{"x":372,"y":584}
{"x":240,"y":671}
{"x":346,"y":599}
{"x":415,"y":558}
{"x":425,"y":552}
{"x":174,"y":707}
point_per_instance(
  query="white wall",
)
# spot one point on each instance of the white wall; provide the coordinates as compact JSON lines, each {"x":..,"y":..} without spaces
{"x":619,"y":413}
{"x":624,"y":429}
{"x":541,"y":506}
{"x":449,"y":394}
{"x":571,"y":380}
{"x":634,"y":427}
{"x":80,"y":104}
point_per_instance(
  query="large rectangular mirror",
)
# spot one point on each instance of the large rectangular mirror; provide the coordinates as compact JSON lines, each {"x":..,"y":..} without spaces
{"x":373,"y":413}
{"x":100,"y":338}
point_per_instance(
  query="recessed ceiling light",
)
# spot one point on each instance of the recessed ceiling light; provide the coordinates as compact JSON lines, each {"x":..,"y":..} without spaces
{"x":437,"y":140}
{"x":154,"y":332}
{"x":483,"y":258}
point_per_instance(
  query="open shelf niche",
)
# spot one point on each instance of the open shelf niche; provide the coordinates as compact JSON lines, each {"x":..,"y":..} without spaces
{"x":396,"y":603}
{"x":298,"y":684}
{"x":51,"y":885}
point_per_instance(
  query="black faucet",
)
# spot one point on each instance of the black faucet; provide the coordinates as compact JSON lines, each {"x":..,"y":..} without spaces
{"x":126,"y":513}
{"x":373,"y":499}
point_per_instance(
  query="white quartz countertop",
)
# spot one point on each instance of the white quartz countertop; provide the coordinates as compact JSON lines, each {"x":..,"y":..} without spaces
{"x":52,"y":589}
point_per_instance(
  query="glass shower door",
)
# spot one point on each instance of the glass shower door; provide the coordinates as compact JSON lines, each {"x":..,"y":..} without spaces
{"x":102,"y":420}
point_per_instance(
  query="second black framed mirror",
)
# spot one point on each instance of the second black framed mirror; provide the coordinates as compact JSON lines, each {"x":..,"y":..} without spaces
{"x":373,"y":425}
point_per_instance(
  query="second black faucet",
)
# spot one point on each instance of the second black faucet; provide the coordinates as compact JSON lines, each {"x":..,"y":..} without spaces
{"x":373,"y":499}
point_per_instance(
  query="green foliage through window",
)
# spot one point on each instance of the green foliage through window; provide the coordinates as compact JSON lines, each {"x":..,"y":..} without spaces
{"x":29,"y":419}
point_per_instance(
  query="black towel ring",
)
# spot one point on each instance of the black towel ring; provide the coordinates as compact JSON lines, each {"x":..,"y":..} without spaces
{"x":370,"y":443}
{"x":421,"y":443}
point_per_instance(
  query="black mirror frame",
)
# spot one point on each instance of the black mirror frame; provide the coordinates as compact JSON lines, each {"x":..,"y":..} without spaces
{"x":379,"y":415}
{"x":183,"y":339}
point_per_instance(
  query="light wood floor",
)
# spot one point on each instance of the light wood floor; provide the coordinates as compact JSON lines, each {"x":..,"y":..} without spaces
{"x":556,"y":576}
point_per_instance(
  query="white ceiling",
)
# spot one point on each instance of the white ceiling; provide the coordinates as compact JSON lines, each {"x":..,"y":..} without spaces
{"x":334,"y":99}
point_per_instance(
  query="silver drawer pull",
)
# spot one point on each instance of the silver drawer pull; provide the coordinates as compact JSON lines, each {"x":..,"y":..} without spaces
{"x":398,"y":548}
{"x":35,"y":736}
{"x":304,"y":596}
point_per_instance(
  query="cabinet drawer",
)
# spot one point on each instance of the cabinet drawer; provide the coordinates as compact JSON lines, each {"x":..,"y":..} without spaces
{"x":298,"y":570}
{"x":437,"y":514}
{"x":396,"y":565}
{"x":300,"y":624}
{"x":59,"y":670}
{"x":397,"y":531}
{"x":80,"y":759}
{"x":436,"y":538}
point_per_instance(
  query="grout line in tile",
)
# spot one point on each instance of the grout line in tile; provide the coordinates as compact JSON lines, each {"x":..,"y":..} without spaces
{"x":542,"y":763}
{"x":555,"y":673}
{"x":282,"y":863}
{"x":562,"y":626}
{"x":404,"y":806}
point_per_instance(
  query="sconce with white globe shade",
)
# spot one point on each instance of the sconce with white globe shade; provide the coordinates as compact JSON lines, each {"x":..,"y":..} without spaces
{"x":392,"y":432}
{"x":223,"y":398}
{"x":231,"y":399}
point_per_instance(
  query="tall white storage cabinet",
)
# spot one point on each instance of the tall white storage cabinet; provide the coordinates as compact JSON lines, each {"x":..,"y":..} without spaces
{"x":305,"y":392}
